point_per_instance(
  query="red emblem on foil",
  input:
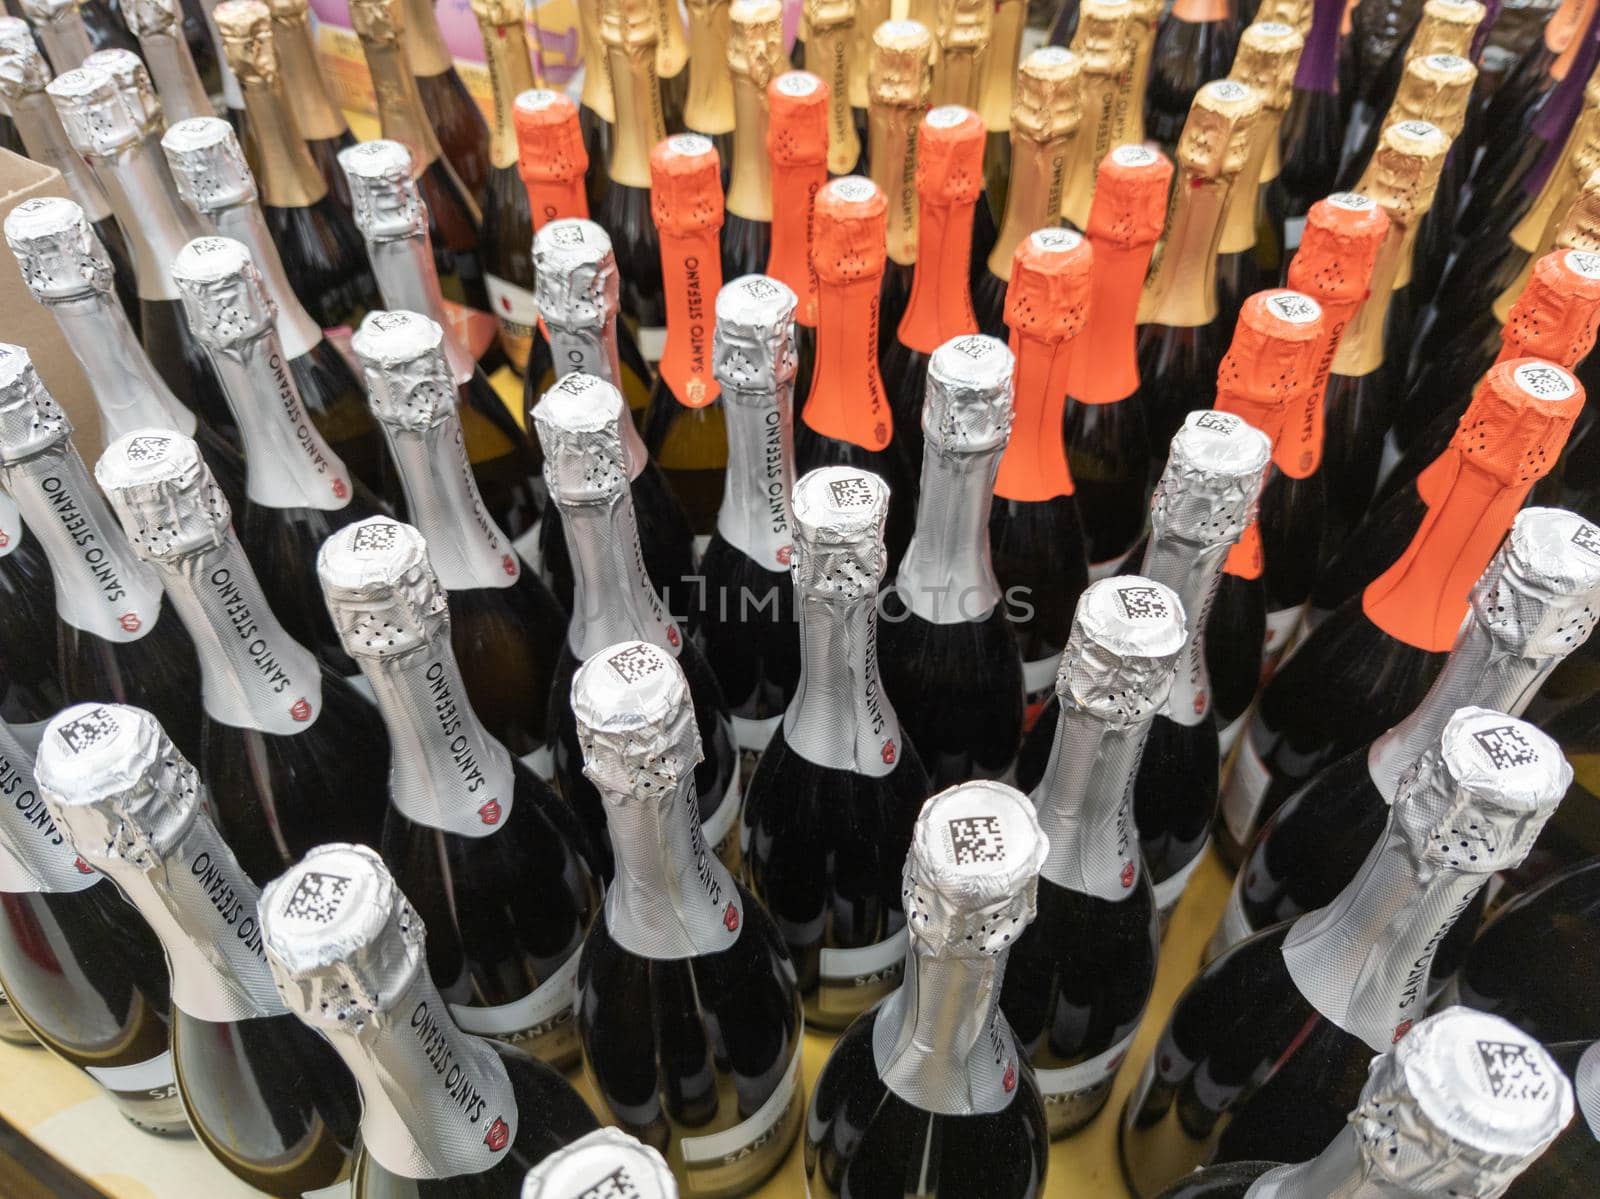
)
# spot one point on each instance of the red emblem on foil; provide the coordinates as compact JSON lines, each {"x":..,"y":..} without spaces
{"x":300,"y":710}
{"x":498,"y":1136}
{"x":888,"y":753}
{"x":880,"y":432}
{"x":81,"y":866}
{"x":785,"y":552}
{"x":509,"y":565}
{"x":130,"y":622}
{"x":1128,"y":875}
{"x":1009,"y":1081}
{"x":1200,"y":703}
{"x":340,"y":489}
{"x":730,"y":918}
{"x":672,"y":636}
{"x":5,"y":539}
{"x":490,"y":812}
{"x":1400,"y":1030}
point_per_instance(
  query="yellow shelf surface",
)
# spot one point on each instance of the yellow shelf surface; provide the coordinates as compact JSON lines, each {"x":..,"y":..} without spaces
{"x":65,"y":1114}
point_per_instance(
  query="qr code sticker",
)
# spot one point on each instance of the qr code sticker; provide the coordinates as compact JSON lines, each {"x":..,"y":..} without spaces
{"x":1585,"y":264}
{"x":89,"y":729}
{"x":1055,"y":239}
{"x":1545,"y":382}
{"x":1142,"y":603}
{"x":974,"y":347}
{"x":1217,"y":422}
{"x":853,"y":188}
{"x":384,"y":321}
{"x":318,"y":897}
{"x":635,"y":663}
{"x":1506,"y":747}
{"x":148,"y":449}
{"x":574,"y":384}
{"x":1514,"y":1072}
{"x":616,"y":1185}
{"x":567,"y":235}
{"x":1350,"y":201}
{"x":1587,"y":538}
{"x":977,"y":839}
{"x":1295,"y":308}
{"x":760,"y":289}
{"x":1416,"y":128}
{"x":1228,"y":90}
{"x":374,"y":538}
{"x":850,"y":493}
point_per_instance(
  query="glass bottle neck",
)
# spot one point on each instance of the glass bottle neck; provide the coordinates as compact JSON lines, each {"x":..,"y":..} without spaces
{"x":445,"y":770}
{"x":400,"y":111}
{"x":940,"y":306}
{"x":41,"y":857}
{"x":101,"y":588}
{"x":612,"y":597}
{"x":708,"y":107}
{"x":847,"y":400}
{"x":828,"y":55}
{"x":173,"y":72}
{"x":1181,"y":291}
{"x":691,"y":275}
{"x":1360,"y":349}
{"x":946,"y":576}
{"x":1111,"y":372}
{"x":66,"y":39}
{"x":156,"y":223}
{"x":426,"y":51}
{"x":297,"y":332}
{"x":640,"y":123}
{"x":1340,"y":1171}
{"x":288,"y":464}
{"x":1085,"y":805}
{"x":409,"y":282}
{"x":840,"y":716}
{"x":750,"y":182}
{"x":1034,"y":467}
{"x":285,"y":171}
{"x":1033,"y":197}
{"x":892,"y":140}
{"x":1194,"y":572}
{"x":505,"y":50}
{"x":253,"y":675}
{"x":316,"y":115}
{"x":755,"y":516}
{"x":1318,"y":70}
{"x":128,"y":391}
{"x":46,"y":142}
{"x":794,"y":193}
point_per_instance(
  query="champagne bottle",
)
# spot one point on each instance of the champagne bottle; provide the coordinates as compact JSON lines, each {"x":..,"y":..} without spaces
{"x":120,"y":145}
{"x":951,"y":666}
{"x":111,"y":638}
{"x":316,"y":110}
{"x":23,"y":77}
{"x":606,"y":1157}
{"x":1340,"y":242}
{"x":597,"y":107}
{"x":995,"y":92}
{"x":684,"y":427}
{"x":209,"y":169}
{"x":1434,"y":1117}
{"x":747,"y":619}
{"x":505,"y":243}
{"x":949,"y":185}
{"x":1203,"y":503}
{"x":1106,"y":425}
{"x":1264,"y":378}
{"x":394,"y":219}
{"x":297,"y":490}
{"x":832,"y":35}
{"x":1079,"y":977}
{"x":447,"y":106}
{"x":932,"y":1083}
{"x":586,"y":436}
{"x":828,"y":815}
{"x":1368,"y":663}
{"x":1285,"y":1022}
{"x":81,"y":970}
{"x":158,"y":24}
{"x":755,"y":58}
{"x":1544,"y":61}
{"x":839,"y":424}
{"x":1576,"y":1152}
{"x":317,"y":241}
{"x":1195,"y":44}
{"x":1310,"y":139}
{"x":1104,"y":44}
{"x":1045,"y":114}
{"x":1554,"y":322}
{"x":1035,"y":504}
{"x":1250,"y":254}
{"x":1182,"y":339}
{"x":900,"y":80}
{"x":870,"y":14}
{"x":1531,"y":608}
{"x":708,"y":104}
{"x":443,"y":1111}
{"x":232,"y":93}
{"x":798,"y":141}
{"x":62,"y":27}
{"x":505,"y":624}
{"x":292,"y":753}
{"x":1143,"y":28}
{"x":630,"y":32}
{"x":579,"y":309}
{"x":1432,"y":87}
{"x":30,"y":678}
{"x":688,"y":1009}
{"x":448,"y":198}
{"x":500,"y":867}
{"x":963,"y":31}
{"x":264,"y":1094}
{"x":66,"y":270}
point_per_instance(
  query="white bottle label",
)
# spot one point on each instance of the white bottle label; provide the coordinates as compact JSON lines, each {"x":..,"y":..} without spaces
{"x":1039,"y":676}
{"x":152,"y":1078}
{"x":729,"y":1146}
{"x":1229,"y":734}
{"x":1234,"y":924}
{"x":529,"y":1022}
{"x":851,"y":980}
{"x":754,"y":734}
{"x":337,"y":1190}
{"x":514,"y":306}
{"x":1059,"y":1085}
{"x":1247,"y":787}
{"x":1169,"y":890}
{"x":652,"y":341}
{"x":1281,"y":626}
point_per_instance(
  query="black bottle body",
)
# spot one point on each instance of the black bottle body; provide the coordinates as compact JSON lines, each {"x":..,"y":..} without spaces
{"x":957,"y":689}
{"x":1229,"y":1180}
{"x":1352,"y":448}
{"x":624,"y":213}
{"x":505,"y":246}
{"x":277,"y":796}
{"x":508,"y":641}
{"x":550,"y":1115}
{"x":1175,"y":793}
{"x":325,"y":153}
{"x":1310,"y":141}
{"x":691,"y":1047}
{"x":183,"y":362}
{"x":1077,"y":982}
{"x":1108,"y":450}
{"x":453,"y":224}
{"x":1178,"y":374}
{"x":1371,"y":548}
{"x":337,"y":404}
{"x":30,"y":669}
{"x":506,"y":460}
{"x":122,"y":276}
{"x":269,"y":1099}
{"x":325,"y":260}
{"x":1186,"y":56}
{"x":747,"y":625}
{"x":1572,"y":1163}
{"x":459,"y":125}
{"x":746,"y":246}
{"x":823,"y":850}
{"x":865,"y":1142}
{"x":1037,"y":548}
{"x":690,"y":445}
{"x":1236,"y":629}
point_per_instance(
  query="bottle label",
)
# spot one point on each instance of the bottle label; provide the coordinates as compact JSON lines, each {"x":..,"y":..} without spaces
{"x":735,"y":1159}
{"x":540,"y":1023}
{"x":1246,"y":788}
{"x":652,"y":341}
{"x":1281,"y":625}
{"x":148,"y":1081}
{"x":288,"y":462}
{"x":1039,"y":676}
{"x":517,"y":310}
{"x":852,"y":980}
{"x":754,"y":516}
{"x":1170,"y":889}
{"x":1229,"y":734}
{"x":1063,"y":1085}
{"x":466,"y":548}
{"x":37,"y":854}
{"x":336,"y":1190}
{"x":1234,"y":924}
{"x":755,"y":734}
